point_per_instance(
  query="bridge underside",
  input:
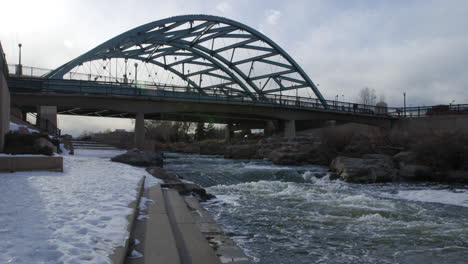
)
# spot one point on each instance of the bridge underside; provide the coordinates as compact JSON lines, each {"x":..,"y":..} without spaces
{"x":187,"y":110}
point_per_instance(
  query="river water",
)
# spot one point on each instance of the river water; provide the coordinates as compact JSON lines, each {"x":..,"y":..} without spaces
{"x":280,"y":214}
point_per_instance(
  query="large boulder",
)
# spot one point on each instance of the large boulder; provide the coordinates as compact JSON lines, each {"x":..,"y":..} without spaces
{"x":302,"y":153}
{"x":246,"y":151}
{"x":406,"y":157}
{"x":415,"y":172}
{"x":140,"y":158}
{"x":372,"y":169}
{"x":162,"y":174}
{"x":42,"y":144}
{"x":212,"y":148}
{"x":185,"y":188}
{"x":458,"y":176}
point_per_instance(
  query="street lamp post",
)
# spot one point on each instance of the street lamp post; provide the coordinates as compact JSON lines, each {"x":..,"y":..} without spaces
{"x":125,"y":75}
{"x":19,"y":68}
{"x":404,"y":103}
{"x":136,"y":72}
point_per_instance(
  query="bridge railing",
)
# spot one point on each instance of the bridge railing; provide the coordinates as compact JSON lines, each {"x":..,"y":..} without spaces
{"x":25,"y":84}
{"x":424,"y":111}
{"x":40,"y":72}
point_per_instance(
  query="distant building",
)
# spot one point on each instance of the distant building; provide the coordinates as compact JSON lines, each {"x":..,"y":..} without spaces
{"x":120,"y":131}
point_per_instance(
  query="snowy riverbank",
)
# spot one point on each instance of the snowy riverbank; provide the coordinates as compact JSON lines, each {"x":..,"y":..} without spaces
{"x":77,"y":216}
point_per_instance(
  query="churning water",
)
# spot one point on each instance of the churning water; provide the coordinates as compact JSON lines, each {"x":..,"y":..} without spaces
{"x":280,"y":214}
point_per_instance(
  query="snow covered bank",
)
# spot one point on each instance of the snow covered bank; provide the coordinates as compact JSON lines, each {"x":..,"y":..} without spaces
{"x":17,"y":127}
{"x":77,"y":216}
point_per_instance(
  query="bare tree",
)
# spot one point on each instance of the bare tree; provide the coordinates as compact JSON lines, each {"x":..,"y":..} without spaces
{"x":367,"y":96}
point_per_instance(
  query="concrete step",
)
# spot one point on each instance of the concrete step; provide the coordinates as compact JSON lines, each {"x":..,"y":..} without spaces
{"x":169,"y":234}
{"x":225,"y":248}
{"x":192,"y":244}
{"x":160,"y":242}
{"x":77,"y":144}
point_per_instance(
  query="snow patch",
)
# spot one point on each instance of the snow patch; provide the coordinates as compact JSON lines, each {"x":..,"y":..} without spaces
{"x":16,"y":127}
{"x":78,"y":216}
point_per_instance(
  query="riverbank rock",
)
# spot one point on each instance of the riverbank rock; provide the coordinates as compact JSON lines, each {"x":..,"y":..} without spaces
{"x":44,"y":143}
{"x":406,"y":157}
{"x":211,"y":148}
{"x":369,"y":169}
{"x":415,"y":173}
{"x":140,"y":158}
{"x":456,"y":176}
{"x":162,"y":174}
{"x":246,"y":151}
{"x":185,"y":188}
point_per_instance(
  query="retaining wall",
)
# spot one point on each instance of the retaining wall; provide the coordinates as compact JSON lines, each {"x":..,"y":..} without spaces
{"x":4,"y":99}
{"x":29,"y":163}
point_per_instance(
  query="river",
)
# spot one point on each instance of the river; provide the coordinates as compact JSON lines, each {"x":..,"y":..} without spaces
{"x":281,"y":214}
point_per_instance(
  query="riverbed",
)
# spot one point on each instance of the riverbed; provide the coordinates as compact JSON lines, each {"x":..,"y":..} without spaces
{"x":289,"y":214}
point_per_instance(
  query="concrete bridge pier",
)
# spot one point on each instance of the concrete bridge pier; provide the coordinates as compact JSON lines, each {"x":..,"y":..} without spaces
{"x":46,"y":117}
{"x":139,"y":130}
{"x":269,"y":129}
{"x":289,"y":129}
{"x":228,"y":131}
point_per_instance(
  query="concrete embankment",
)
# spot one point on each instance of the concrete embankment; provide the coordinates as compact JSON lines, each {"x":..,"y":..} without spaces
{"x":175,"y":229}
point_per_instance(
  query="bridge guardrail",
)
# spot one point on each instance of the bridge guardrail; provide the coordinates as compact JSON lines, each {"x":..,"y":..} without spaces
{"x":435,"y":110}
{"x":177,"y":92}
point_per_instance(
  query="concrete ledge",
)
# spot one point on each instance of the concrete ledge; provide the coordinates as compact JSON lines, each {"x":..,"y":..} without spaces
{"x":120,"y":253}
{"x":30,"y":163}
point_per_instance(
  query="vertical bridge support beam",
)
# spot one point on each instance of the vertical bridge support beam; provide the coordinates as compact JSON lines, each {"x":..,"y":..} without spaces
{"x":139,"y":131}
{"x":290,"y":129}
{"x":269,"y":129}
{"x":46,"y":118}
{"x":4,"y":107}
{"x":228,"y":133}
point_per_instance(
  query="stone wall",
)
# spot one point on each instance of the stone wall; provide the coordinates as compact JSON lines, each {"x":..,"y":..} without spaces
{"x":4,"y":100}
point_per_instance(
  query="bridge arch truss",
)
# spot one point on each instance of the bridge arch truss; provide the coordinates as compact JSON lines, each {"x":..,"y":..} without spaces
{"x":204,"y":53}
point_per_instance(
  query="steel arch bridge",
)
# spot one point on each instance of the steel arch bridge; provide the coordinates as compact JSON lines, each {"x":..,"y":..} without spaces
{"x":204,"y":53}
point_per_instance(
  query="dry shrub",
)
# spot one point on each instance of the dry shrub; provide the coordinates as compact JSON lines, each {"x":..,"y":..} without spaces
{"x":336,"y":139}
{"x":443,"y":149}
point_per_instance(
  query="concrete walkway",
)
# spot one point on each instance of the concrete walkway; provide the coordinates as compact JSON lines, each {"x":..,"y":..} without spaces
{"x":178,"y":230}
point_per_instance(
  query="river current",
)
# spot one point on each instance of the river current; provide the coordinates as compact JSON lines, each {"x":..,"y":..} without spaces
{"x":281,"y":214}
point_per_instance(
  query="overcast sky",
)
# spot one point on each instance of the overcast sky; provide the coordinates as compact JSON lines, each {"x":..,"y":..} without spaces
{"x":417,"y":47}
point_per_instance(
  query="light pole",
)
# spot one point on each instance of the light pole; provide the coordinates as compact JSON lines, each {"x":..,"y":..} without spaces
{"x":125,"y":75}
{"x":19,"y":69}
{"x":404,"y":103}
{"x":136,"y":72}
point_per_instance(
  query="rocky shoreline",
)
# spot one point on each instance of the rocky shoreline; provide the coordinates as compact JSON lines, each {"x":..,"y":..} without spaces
{"x":153,"y":161}
{"x":360,"y":161}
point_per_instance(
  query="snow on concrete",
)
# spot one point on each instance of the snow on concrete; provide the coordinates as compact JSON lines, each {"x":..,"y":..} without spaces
{"x":77,"y":216}
{"x":16,"y":127}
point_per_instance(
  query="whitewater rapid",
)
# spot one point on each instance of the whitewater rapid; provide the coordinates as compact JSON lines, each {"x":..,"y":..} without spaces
{"x":281,"y":214}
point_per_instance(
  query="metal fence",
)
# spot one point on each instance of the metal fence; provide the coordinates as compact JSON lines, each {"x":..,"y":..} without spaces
{"x":107,"y":85}
{"x":435,"y":110}
{"x":24,"y":84}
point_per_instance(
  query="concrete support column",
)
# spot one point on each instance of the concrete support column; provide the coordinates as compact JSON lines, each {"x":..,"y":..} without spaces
{"x":139,"y":131}
{"x":228,"y":132}
{"x":269,"y":129}
{"x":290,"y":129}
{"x":4,"y":108}
{"x":46,"y":117}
